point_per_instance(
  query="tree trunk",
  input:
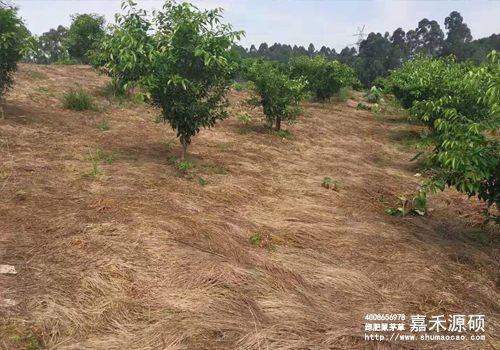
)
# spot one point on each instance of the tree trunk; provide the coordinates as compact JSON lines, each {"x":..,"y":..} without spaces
{"x":278,"y":123}
{"x":184,"y":148}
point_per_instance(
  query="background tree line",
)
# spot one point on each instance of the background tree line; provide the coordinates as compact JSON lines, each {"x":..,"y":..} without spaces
{"x":63,"y":45}
{"x":379,"y":53}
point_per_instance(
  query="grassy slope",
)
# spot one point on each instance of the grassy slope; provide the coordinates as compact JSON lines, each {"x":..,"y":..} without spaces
{"x":142,"y":258}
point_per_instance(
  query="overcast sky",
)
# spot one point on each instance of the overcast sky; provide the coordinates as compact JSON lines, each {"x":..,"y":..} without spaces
{"x":321,"y":22}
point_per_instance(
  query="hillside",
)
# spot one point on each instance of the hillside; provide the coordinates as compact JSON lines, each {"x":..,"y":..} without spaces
{"x":245,"y":250}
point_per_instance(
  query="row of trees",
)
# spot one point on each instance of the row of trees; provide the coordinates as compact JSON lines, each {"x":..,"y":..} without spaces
{"x":460,"y":104}
{"x":280,"y":86}
{"x":183,"y":60}
{"x":380,"y":53}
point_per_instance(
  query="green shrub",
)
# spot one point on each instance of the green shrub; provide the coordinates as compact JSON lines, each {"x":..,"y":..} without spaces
{"x":380,"y":83}
{"x":66,"y":61}
{"x":374,"y":95}
{"x":324,"y":78}
{"x":424,"y":78}
{"x":250,"y":86}
{"x":78,"y":100}
{"x":239,"y":86}
{"x":460,"y":104}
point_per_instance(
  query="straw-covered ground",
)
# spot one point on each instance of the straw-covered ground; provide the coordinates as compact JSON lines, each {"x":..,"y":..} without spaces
{"x":241,"y":247}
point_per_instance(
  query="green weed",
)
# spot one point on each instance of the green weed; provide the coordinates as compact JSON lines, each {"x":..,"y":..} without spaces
{"x":29,"y":339}
{"x":78,"y":100}
{"x":244,"y":117}
{"x":202,"y":181}
{"x":114,"y":93}
{"x":103,"y":125}
{"x":21,"y":195}
{"x":191,"y":167}
{"x":343,"y":95}
{"x":66,"y":61}
{"x":95,"y":170}
{"x":261,"y":240}
{"x":45,"y":90}
{"x":239,"y":86}
{"x":104,"y":156}
{"x":37,"y":75}
{"x":283,"y":133}
{"x":183,"y":165}
{"x":374,"y":95}
{"x":244,"y":131}
{"x":95,"y":164}
{"x":331,"y":185}
{"x":361,"y":105}
{"x":485,"y":238}
{"x":415,"y":206}
{"x":41,"y":89}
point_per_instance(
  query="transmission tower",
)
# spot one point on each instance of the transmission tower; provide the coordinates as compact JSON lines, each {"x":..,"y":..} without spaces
{"x":361,"y":36}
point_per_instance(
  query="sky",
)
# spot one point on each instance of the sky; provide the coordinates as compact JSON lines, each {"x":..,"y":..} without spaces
{"x":322,"y":22}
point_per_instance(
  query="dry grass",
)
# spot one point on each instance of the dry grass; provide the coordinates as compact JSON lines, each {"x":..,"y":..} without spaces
{"x":132,"y":259}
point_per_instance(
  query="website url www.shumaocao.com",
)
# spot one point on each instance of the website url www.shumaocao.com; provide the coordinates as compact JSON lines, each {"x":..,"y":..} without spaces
{"x":420,"y":324}
{"x":426,"y":336}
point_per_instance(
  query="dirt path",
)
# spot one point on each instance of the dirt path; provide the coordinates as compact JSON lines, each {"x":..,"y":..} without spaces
{"x":142,"y":257}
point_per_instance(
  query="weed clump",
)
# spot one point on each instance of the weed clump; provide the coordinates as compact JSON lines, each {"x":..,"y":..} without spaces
{"x":102,"y":125}
{"x":331,"y":185}
{"x":343,"y":95}
{"x":77,"y":100}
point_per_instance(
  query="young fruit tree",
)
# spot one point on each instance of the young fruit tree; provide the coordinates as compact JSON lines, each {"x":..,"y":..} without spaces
{"x":180,"y":58}
{"x":324,"y":77}
{"x":276,"y":92}
{"x":13,"y":38}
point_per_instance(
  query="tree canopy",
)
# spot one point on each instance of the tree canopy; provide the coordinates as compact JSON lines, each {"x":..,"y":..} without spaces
{"x":85,"y":30}
{"x":180,"y":58}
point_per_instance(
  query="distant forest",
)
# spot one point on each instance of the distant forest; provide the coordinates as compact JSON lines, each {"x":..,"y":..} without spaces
{"x":379,"y":53}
